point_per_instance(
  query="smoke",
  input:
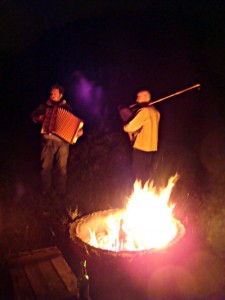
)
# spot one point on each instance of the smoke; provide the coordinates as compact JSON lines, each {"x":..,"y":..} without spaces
{"x":88,"y":95}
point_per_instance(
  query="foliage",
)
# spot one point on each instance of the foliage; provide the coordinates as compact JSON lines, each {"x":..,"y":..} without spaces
{"x":212,"y":217}
{"x":100,"y":172}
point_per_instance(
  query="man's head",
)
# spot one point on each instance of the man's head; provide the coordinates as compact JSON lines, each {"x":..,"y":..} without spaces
{"x":56,"y":92}
{"x":143,"y":96}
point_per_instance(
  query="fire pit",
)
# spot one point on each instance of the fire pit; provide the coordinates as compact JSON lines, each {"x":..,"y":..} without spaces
{"x":145,"y":226}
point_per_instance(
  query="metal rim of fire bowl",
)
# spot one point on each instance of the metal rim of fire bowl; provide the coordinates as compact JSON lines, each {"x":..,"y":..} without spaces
{"x":75,"y":228}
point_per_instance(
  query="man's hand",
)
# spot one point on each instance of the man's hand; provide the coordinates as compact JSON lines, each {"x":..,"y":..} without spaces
{"x":80,"y":132}
{"x":41,"y":118}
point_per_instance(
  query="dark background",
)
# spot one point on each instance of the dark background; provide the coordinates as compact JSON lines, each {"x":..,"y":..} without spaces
{"x":120,"y":48}
{"x":102,"y":53}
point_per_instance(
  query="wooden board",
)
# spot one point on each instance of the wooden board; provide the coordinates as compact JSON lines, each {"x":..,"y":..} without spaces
{"x":42,"y":274}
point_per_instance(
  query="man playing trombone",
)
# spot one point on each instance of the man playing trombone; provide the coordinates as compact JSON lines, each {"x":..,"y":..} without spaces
{"x":143,"y":132}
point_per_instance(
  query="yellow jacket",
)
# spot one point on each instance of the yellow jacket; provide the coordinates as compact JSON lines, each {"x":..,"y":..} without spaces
{"x":146,"y":124}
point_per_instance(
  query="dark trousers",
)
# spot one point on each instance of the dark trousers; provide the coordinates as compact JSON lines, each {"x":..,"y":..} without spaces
{"x":54,"y":151}
{"x":141,"y":165}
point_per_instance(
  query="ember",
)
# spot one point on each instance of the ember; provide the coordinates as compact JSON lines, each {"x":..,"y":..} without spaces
{"x":145,"y":223}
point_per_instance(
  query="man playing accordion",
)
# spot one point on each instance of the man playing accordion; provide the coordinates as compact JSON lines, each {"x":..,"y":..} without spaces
{"x":60,"y":128}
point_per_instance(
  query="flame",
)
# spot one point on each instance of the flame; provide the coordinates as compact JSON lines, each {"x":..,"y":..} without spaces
{"x":146,"y":222}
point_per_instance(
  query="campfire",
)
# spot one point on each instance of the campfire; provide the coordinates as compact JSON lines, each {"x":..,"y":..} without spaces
{"x":146,"y":223}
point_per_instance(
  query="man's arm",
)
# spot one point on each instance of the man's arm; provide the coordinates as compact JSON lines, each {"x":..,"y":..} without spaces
{"x":137,"y":122}
{"x":38,"y":114}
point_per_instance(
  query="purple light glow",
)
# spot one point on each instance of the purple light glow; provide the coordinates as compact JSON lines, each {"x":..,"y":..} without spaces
{"x":88,"y":94}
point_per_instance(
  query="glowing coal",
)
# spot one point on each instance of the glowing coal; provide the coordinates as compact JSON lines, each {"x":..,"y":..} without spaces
{"x":146,"y":223}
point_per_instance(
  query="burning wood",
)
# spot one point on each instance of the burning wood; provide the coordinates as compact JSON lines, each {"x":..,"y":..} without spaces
{"x":146,"y":223}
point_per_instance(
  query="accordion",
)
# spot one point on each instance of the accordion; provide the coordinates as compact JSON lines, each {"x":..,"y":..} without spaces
{"x":62,"y":123}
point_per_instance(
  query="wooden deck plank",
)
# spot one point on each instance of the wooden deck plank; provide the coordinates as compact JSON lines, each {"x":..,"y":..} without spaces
{"x":21,"y":284}
{"x":66,"y":274}
{"x":54,"y":283}
{"x":33,"y":256}
{"x":42,"y":274}
{"x":37,"y":281}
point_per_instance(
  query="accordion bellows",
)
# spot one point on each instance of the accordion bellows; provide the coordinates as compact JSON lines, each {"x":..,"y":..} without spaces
{"x":62,"y":123}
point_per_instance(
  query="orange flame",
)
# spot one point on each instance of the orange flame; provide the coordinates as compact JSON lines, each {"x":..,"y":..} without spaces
{"x":147,"y":221}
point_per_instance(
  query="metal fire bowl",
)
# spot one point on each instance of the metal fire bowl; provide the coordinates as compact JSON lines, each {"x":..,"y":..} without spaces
{"x":79,"y":233}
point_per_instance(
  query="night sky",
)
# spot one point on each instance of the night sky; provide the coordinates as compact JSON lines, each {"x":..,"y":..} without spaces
{"x":103,"y":52}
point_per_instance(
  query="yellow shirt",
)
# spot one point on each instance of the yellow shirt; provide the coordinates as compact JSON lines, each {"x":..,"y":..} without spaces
{"x":147,"y":122}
